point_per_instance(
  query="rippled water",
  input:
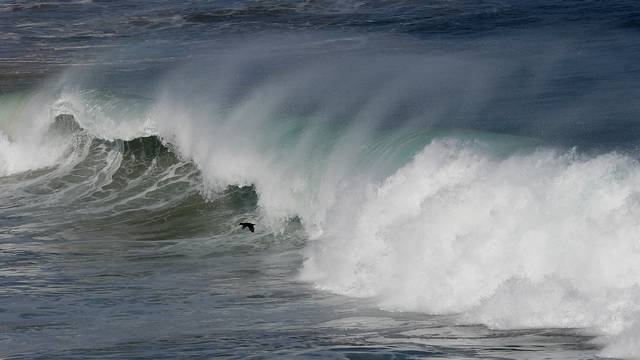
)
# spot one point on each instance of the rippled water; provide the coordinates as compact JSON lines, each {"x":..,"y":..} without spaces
{"x":204,"y":298}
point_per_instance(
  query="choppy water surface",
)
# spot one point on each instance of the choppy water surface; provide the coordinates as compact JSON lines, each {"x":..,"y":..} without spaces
{"x":429,"y":180}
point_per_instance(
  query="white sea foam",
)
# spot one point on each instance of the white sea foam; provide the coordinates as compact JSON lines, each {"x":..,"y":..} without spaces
{"x":537,"y":240}
{"x":22,"y":156}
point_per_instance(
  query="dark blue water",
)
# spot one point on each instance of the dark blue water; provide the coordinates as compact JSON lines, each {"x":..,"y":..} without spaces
{"x":430,"y":179}
{"x":571,"y":59}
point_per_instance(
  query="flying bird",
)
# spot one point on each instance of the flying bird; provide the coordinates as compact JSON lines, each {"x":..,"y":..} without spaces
{"x":248,"y":225}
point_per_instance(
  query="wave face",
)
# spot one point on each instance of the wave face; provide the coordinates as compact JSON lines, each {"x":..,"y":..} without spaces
{"x":403,"y":199}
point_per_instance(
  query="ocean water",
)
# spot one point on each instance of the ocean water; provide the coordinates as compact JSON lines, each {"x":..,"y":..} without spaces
{"x":428,"y":179}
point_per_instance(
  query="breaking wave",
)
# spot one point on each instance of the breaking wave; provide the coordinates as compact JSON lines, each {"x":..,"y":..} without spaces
{"x":503,"y":230}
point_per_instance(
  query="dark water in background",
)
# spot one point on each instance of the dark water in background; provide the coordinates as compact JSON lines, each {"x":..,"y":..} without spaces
{"x":442,"y":179}
{"x":575,"y":59}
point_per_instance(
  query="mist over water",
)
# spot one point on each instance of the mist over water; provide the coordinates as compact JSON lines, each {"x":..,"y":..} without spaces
{"x":455,"y":191}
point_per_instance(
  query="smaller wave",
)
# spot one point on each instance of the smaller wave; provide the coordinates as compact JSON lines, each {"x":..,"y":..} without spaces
{"x":133,"y":189}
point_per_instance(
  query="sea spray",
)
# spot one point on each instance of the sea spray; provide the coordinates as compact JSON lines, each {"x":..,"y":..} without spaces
{"x":463,"y":227}
{"x":26,"y":141}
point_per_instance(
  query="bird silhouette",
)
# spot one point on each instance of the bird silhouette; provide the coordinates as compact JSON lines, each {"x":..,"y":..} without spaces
{"x":248,"y":225}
